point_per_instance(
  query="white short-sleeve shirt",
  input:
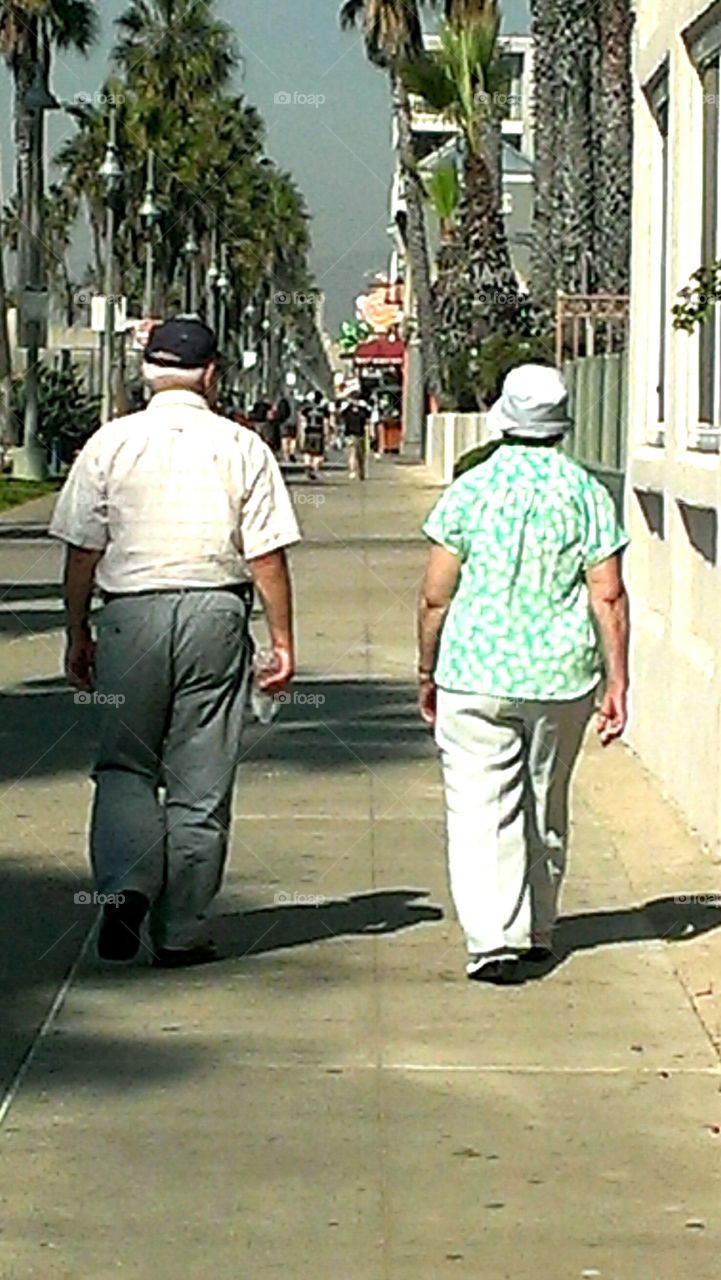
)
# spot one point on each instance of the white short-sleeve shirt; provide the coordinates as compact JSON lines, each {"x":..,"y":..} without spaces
{"x":175,"y":496}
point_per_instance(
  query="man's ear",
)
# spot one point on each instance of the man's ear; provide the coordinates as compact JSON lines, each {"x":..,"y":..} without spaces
{"x":210,"y":376}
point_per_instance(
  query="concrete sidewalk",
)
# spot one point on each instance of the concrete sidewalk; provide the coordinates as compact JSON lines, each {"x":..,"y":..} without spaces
{"x":333,"y":1100}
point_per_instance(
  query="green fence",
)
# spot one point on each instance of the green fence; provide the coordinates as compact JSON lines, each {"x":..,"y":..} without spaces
{"x":598,"y":387}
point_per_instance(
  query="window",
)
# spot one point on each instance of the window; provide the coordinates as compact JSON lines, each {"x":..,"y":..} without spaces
{"x":703,"y":41}
{"x":513,"y":69}
{"x":657,"y":94}
{"x":709,"y":399}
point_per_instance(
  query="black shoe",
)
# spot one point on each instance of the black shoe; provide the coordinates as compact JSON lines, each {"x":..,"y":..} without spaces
{"x":184,"y":957}
{"x":501,"y":972}
{"x":537,"y":955}
{"x":119,"y":937}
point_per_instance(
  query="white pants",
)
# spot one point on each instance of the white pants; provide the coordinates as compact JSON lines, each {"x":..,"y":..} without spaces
{"x":507,"y":767}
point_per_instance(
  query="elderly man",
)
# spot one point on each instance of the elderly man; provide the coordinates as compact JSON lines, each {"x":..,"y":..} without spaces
{"x":176,"y":515}
{"x":523,"y":579}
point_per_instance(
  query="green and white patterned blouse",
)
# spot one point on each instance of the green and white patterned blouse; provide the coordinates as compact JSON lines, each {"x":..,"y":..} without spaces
{"x":527,"y":524}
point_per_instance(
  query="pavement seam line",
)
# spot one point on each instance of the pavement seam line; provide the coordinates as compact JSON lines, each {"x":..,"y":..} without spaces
{"x":46,"y":1025}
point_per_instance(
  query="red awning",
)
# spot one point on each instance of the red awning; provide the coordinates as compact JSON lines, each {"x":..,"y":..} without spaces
{"x":380,"y":350}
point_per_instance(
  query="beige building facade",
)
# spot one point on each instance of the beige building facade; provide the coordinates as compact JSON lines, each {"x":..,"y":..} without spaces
{"x":674,"y":468}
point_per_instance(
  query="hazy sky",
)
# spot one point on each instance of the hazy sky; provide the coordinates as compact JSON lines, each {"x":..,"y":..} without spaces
{"x":339,"y":151}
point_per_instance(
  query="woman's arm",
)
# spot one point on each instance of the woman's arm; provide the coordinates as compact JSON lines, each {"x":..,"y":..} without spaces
{"x":609,"y":603}
{"x":438,"y":589}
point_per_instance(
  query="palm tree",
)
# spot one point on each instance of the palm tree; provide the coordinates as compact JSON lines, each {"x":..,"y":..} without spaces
{"x":178,"y":46}
{"x":393,"y":36}
{"x":464,"y":81}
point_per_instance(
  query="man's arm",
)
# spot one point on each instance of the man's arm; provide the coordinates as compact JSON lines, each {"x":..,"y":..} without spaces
{"x":439,"y":587}
{"x":272,"y":580}
{"x":609,"y":603}
{"x":78,"y":583}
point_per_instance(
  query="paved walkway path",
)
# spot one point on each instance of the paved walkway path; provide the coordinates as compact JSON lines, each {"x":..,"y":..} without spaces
{"x":333,"y":1101}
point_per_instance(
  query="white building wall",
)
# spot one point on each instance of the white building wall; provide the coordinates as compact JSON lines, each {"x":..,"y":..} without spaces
{"x":674,"y":490}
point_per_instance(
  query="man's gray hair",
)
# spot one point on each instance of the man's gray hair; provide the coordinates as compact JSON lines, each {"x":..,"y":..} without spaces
{"x":159,"y":378}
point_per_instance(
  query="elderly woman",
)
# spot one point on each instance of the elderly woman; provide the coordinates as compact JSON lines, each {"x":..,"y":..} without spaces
{"x":523,"y":607}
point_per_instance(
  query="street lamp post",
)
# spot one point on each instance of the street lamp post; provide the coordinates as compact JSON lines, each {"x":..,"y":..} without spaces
{"x":223,"y":288}
{"x":211,"y":282}
{"x":191,"y":249}
{"x":150,"y":217}
{"x":111,"y":173}
{"x":30,"y":464}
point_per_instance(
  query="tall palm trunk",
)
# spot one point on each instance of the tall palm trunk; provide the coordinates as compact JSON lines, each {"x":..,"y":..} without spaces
{"x":564,"y":241}
{"x":583,"y":147}
{"x":477,"y":289}
{"x":417,"y":241}
{"x":614,"y":114}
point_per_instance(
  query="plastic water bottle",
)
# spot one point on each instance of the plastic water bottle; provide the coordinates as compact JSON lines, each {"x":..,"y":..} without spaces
{"x":263,"y":705}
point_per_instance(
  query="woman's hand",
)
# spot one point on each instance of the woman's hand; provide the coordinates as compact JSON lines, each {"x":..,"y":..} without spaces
{"x":427,"y":699}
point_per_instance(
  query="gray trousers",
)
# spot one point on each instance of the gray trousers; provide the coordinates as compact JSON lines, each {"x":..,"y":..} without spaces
{"x":171,"y":675}
{"x":507,"y":770}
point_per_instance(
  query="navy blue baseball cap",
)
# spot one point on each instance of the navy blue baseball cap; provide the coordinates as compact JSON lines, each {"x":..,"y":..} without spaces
{"x":185,"y":342}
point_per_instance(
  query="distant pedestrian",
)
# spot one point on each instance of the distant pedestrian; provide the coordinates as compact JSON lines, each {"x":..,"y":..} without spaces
{"x":315,"y":424}
{"x":287,"y":417}
{"x":174,"y":514}
{"x":266,"y":425}
{"x":355,"y":416}
{"x":525,"y":571}
{"x":376,"y":419}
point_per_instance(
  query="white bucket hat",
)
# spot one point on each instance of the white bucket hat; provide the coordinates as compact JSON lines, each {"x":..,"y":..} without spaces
{"x":534,"y":403}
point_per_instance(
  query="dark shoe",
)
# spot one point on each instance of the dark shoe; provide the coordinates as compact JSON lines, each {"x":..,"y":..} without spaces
{"x":501,"y":973}
{"x":119,"y":937}
{"x":500,"y":970}
{"x":537,"y":955}
{"x":184,"y":957}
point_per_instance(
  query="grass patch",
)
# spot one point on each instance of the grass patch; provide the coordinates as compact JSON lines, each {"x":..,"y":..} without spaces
{"x":14,"y":492}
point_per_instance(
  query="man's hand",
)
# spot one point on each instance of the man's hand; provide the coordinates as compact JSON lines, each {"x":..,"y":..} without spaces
{"x":612,"y":714}
{"x":427,"y":700}
{"x":280,"y":675}
{"x":80,"y":657}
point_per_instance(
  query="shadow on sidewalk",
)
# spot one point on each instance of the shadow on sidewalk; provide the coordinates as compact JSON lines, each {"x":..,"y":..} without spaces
{"x":42,"y":930}
{"x":17,"y":619}
{"x":253,"y":933}
{"x":677,"y":919}
{"x":325,"y":726}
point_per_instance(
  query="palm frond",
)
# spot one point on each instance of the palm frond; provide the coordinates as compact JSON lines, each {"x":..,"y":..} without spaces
{"x":428,"y":77}
{"x":350,"y":14}
{"x":444,"y":191}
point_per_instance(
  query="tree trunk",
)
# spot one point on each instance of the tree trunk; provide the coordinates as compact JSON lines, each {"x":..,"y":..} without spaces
{"x":417,"y":243}
{"x":477,"y":289}
{"x":614,"y":114}
{"x":584,"y":127}
{"x":566,"y":154}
